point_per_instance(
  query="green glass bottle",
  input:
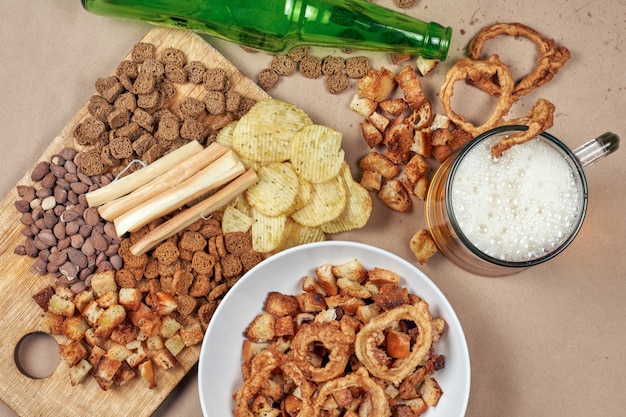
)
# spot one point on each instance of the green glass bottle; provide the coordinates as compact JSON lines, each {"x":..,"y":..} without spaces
{"x":279,"y":25}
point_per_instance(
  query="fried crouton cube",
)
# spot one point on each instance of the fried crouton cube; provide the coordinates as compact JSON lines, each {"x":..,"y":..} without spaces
{"x":164,"y":303}
{"x":377,"y":85}
{"x":154,"y":343}
{"x":95,"y":355}
{"x":146,"y":320}
{"x":164,"y":359}
{"x":363,"y":105}
{"x":439,"y":325}
{"x":379,"y":121}
{"x":373,"y":137}
{"x":420,"y":188}
{"x":348,"y":303}
{"x":366,"y":312}
{"x":105,"y":370}
{"x":280,"y":305}
{"x":108,"y":299}
{"x":327,"y":279}
{"x":124,"y":375}
{"x":261,"y":329}
{"x":130,"y":298}
{"x":146,"y":370}
{"x":311,"y":284}
{"x":79,"y":372}
{"x":92,"y":312}
{"x":137,"y":356}
{"x":169,"y":327}
{"x":382,"y":276}
{"x":415,"y":168}
{"x":74,"y":327}
{"x":93,"y":340}
{"x":103,"y":282}
{"x":371,"y":181}
{"x":441,"y":153}
{"x":43,"y":296}
{"x":425,"y":65}
{"x":250,"y":349}
{"x":109,"y":319}
{"x":397,"y":344}
{"x":51,"y":323}
{"x":192,"y":333}
{"x":394,"y":106}
{"x":399,"y":140}
{"x":311,"y":302}
{"x":411,"y":87}
{"x":377,"y":162}
{"x":61,"y":306}
{"x":421,"y":143}
{"x":72,"y":353}
{"x":423,"y":246}
{"x":283,"y":326}
{"x":395,"y":196}
{"x":353,"y":288}
{"x":82,"y":299}
{"x":118,"y":352}
{"x":352,"y":270}
{"x":124,"y":333}
{"x":175,"y":344}
{"x":430,"y":391}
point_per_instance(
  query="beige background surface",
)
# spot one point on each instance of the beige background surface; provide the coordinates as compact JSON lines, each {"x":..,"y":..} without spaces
{"x":545,"y":342}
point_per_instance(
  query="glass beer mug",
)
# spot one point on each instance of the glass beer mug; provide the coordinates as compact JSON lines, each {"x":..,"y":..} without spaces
{"x":496,"y":217}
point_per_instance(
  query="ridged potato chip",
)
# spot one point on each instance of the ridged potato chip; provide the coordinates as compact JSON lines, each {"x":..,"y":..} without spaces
{"x":316,"y":153}
{"x":234,"y":220}
{"x":358,"y":205}
{"x":327,"y":202}
{"x":295,"y":234}
{"x":225,"y":135}
{"x":276,"y":191}
{"x":265,"y":132}
{"x":267,"y":232}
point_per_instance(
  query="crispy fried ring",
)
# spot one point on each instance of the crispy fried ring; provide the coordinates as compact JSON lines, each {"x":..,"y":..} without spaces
{"x":474,"y":70}
{"x":333,"y":339}
{"x":371,"y":336}
{"x":551,"y":58}
{"x":263,"y":366}
{"x":538,"y":119}
{"x":378,"y":405}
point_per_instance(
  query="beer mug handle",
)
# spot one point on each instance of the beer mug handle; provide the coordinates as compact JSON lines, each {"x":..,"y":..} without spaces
{"x":596,"y":149}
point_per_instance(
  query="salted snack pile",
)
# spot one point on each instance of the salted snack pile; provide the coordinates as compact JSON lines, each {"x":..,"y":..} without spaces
{"x":404,"y":133}
{"x":305,"y":187}
{"x":136,"y":320}
{"x":354,"y":342}
{"x":139,"y":113}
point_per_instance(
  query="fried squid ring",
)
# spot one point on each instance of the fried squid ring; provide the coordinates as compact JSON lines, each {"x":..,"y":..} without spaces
{"x":371,"y":336}
{"x":538,"y":119}
{"x":475,"y":70}
{"x":333,"y":339}
{"x":551,"y":57}
{"x":376,"y":404}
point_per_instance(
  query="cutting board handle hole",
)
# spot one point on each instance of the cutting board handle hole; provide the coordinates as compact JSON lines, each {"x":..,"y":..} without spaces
{"x":37,"y":355}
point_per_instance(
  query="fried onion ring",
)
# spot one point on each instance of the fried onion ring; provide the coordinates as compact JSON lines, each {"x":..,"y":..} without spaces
{"x":377,"y":404}
{"x":475,"y":70}
{"x":333,"y":339}
{"x":551,"y":59}
{"x":371,"y":336}
{"x":538,"y":119}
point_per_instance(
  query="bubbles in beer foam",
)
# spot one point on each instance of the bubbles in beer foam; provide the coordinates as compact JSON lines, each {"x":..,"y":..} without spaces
{"x":520,"y":206}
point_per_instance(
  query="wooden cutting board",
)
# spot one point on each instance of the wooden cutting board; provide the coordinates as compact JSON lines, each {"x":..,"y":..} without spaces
{"x":19,"y":315}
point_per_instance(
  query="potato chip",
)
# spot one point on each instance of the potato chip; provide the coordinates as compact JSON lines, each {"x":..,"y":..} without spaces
{"x":316,"y":153}
{"x":327,"y":202}
{"x":225,"y":135}
{"x":276,"y":190}
{"x":305,"y":192}
{"x":265,"y":132}
{"x":267,"y":232}
{"x":241,"y":204}
{"x":295,"y":234}
{"x":358,"y":206}
{"x":234,"y":220}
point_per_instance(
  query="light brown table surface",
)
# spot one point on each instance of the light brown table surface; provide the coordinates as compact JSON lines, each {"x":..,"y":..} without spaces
{"x":546,"y":342}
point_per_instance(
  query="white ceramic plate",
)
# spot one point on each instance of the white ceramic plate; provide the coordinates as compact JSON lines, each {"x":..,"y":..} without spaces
{"x":219,"y":367}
